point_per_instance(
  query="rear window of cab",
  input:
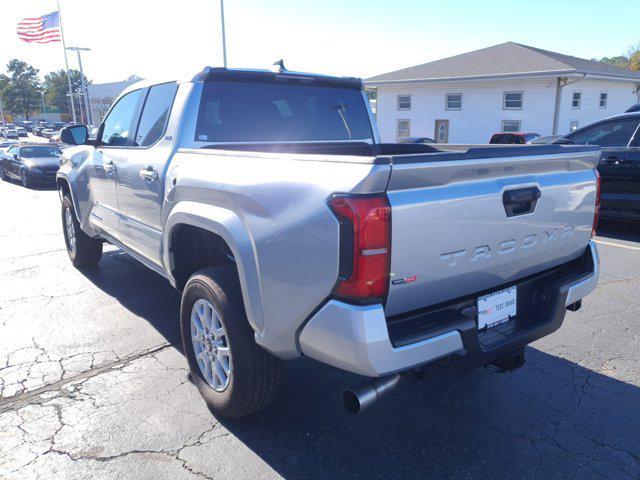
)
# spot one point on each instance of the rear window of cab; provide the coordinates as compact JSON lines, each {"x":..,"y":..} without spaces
{"x":238,"y":112}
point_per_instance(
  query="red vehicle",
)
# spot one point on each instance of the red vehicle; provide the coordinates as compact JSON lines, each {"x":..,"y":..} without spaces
{"x":513,"y":137}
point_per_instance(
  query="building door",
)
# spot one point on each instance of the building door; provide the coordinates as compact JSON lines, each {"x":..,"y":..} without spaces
{"x":441,"y":134}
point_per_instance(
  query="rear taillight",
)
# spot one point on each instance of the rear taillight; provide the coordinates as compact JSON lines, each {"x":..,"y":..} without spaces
{"x":596,"y":213}
{"x":365,"y":246}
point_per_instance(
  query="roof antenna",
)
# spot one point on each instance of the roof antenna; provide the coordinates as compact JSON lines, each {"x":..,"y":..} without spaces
{"x":278,"y":66}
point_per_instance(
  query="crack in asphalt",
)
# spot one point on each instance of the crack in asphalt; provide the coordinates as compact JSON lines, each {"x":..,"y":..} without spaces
{"x":20,"y":399}
{"x":71,"y":389}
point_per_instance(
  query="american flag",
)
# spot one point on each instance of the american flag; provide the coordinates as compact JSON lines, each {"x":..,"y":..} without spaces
{"x":44,"y":29}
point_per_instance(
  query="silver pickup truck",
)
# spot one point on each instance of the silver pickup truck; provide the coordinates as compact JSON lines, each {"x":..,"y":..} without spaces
{"x":267,"y":199}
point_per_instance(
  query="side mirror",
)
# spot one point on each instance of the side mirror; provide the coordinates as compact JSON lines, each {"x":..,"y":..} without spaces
{"x":15,"y":155}
{"x":74,"y":135}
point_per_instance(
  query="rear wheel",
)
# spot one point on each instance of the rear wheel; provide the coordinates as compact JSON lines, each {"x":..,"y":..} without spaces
{"x":234,"y":375}
{"x":82,"y":249}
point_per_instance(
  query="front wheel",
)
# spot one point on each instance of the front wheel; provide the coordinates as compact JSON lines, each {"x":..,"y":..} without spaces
{"x":83,"y":250}
{"x":234,"y":375}
{"x":24,"y":178}
{"x":2,"y":174}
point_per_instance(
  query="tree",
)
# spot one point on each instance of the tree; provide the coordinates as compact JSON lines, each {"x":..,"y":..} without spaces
{"x":634,"y":61}
{"x":620,"y":61}
{"x":630,"y":61}
{"x":634,"y":57}
{"x":20,"y":89}
{"x":56,"y":90}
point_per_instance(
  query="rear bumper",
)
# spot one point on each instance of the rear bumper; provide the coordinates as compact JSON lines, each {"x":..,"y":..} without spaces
{"x":358,"y":339}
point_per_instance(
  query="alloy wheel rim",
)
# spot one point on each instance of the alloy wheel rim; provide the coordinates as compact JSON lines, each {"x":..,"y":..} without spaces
{"x":210,"y":345}
{"x":71,"y":231}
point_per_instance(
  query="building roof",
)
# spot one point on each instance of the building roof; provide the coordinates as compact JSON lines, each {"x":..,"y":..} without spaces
{"x":111,"y":89}
{"x":506,"y":59}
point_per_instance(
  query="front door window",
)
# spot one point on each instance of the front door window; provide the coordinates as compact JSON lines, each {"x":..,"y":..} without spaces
{"x":116,"y":129}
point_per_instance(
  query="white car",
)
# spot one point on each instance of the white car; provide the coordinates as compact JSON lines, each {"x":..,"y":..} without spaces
{"x":10,"y":133}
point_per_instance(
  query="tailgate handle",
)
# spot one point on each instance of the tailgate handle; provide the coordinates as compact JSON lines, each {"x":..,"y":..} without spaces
{"x":520,"y":201}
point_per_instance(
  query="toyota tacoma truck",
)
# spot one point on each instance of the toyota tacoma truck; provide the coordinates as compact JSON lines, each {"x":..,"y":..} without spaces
{"x":268,"y":200}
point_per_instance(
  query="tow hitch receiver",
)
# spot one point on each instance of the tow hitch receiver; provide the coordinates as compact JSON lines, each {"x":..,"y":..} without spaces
{"x":508,"y":362}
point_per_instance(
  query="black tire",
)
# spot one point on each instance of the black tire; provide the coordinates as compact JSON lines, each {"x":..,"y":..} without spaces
{"x":88,"y":251}
{"x":3,"y":176}
{"x":24,"y":179}
{"x":255,"y":373}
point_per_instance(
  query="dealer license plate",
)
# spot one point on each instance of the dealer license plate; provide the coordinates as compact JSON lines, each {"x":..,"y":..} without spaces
{"x":496,"y":307}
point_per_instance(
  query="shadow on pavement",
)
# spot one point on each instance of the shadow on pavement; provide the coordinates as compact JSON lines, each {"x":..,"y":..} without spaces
{"x":17,"y":183}
{"x":139,"y":290}
{"x":551,"y":419}
{"x":619,"y":230}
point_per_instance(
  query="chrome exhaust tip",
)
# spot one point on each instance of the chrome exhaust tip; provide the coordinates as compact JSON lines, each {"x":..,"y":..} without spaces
{"x":366,"y":393}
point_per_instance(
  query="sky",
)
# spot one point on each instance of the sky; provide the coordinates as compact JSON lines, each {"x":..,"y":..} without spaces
{"x":168,"y":39}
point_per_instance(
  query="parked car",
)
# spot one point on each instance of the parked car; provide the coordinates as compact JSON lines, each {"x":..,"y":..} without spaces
{"x":546,"y":140}
{"x":10,"y":133}
{"x":267,"y":200}
{"x":22,"y":132}
{"x":517,"y":138}
{"x":33,"y":164}
{"x":48,"y":132}
{"x":26,"y":124}
{"x":417,"y":140}
{"x":619,"y":167}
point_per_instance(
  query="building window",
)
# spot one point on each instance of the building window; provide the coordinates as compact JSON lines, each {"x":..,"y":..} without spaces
{"x":603,"y":99}
{"x":576,"y":99}
{"x":512,"y":101}
{"x":574,"y":125}
{"x":403,"y":129}
{"x":510,"y":125}
{"x":453,"y":101}
{"x":404,"y":102}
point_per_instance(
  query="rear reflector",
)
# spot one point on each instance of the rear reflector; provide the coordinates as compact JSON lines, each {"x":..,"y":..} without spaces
{"x":365,"y":245}
{"x":596,"y":213}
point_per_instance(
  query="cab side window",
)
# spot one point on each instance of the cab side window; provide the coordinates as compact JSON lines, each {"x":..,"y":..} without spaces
{"x":116,"y":129}
{"x":155,"y":114}
{"x":616,"y":133}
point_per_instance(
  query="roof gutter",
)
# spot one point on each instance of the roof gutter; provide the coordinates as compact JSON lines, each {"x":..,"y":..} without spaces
{"x":537,"y":74}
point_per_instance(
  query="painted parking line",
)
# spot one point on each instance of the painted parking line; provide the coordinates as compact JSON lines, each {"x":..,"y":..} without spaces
{"x":619,"y":245}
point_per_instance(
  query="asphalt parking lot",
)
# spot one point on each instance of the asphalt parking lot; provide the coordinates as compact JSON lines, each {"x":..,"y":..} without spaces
{"x":93,"y":384}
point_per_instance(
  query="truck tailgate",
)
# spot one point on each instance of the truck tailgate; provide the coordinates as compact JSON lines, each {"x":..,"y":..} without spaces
{"x":463,"y":223}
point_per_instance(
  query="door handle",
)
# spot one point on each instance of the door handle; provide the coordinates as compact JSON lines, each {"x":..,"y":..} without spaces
{"x":110,"y":166}
{"x":520,"y":201}
{"x":612,"y":160}
{"x":149,"y":173}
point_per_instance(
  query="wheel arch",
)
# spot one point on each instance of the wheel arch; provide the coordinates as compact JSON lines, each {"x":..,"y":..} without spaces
{"x":225,"y":228}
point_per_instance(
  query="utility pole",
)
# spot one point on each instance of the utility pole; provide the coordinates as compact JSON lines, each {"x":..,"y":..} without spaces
{"x":1,"y":113}
{"x":85,"y":91}
{"x":44,"y":107}
{"x":224,"y":40}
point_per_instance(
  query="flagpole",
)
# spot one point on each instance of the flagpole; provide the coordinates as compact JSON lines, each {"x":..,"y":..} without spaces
{"x":224,"y":40}
{"x":66,"y":62}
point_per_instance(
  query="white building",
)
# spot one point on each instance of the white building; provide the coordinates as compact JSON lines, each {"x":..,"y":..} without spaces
{"x":103,"y":94}
{"x":507,"y":87}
